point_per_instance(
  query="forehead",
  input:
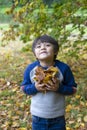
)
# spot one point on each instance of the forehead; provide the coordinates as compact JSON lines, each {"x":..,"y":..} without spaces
{"x":39,"y":42}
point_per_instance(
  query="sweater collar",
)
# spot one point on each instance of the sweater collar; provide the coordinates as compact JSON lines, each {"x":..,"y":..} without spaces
{"x":46,"y":67}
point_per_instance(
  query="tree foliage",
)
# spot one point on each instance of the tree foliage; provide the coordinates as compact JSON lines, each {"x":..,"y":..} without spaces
{"x":64,"y":20}
{"x":36,"y":18}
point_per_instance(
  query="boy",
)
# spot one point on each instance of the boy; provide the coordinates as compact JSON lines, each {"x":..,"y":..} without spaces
{"x":48,"y":109}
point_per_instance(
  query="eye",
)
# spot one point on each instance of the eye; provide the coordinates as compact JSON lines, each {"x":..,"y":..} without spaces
{"x":48,"y":44}
{"x":38,"y":46}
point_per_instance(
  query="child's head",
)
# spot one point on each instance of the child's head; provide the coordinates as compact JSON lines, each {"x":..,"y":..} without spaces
{"x":46,"y":39}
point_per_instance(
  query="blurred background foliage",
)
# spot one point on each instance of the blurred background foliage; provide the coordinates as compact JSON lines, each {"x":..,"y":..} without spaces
{"x":65,"y":20}
{"x":21,"y":21}
{"x":54,"y":17}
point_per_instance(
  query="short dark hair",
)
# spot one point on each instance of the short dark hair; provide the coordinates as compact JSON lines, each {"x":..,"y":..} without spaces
{"x":48,"y":39}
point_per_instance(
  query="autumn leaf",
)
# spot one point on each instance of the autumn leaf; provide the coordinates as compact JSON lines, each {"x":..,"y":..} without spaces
{"x":85,"y":118}
{"x":22,"y":128}
{"x":68,"y":108}
{"x":44,"y":76}
{"x":40,"y":75}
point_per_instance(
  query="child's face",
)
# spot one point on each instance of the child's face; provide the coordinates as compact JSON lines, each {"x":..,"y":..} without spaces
{"x":44,"y":51}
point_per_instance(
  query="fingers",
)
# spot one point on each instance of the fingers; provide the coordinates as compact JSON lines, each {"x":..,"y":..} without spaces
{"x":52,"y":85}
{"x":40,"y":87}
{"x":52,"y":88}
{"x":74,"y":90}
{"x":55,"y":80}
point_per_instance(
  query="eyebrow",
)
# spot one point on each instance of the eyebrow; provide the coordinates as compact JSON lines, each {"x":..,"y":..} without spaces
{"x":37,"y":44}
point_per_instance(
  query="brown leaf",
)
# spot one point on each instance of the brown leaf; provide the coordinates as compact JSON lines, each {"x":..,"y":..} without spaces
{"x":44,"y":76}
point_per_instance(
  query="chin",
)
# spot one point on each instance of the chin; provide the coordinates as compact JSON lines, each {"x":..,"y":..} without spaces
{"x":45,"y":58}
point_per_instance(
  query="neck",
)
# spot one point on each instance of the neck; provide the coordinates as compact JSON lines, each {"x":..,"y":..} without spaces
{"x":46,"y":63}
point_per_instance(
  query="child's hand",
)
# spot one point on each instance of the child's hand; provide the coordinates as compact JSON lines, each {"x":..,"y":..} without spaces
{"x":54,"y":85}
{"x":74,"y":90}
{"x":40,"y":87}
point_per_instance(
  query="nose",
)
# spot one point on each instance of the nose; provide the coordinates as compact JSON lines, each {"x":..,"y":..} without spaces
{"x":43,"y":46}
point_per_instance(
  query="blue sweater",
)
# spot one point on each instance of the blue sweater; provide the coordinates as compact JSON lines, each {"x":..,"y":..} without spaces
{"x":51,"y":104}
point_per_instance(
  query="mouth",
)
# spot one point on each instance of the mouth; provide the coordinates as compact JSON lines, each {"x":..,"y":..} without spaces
{"x":44,"y":52}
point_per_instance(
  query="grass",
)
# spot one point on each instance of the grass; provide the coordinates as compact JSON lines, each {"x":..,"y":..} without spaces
{"x":13,"y":68}
{"x":5,"y":93}
{"x":14,"y":108}
{"x":15,"y":104}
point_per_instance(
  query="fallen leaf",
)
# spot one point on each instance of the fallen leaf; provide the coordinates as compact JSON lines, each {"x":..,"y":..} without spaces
{"x":22,"y":129}
{"x":85,"y":118}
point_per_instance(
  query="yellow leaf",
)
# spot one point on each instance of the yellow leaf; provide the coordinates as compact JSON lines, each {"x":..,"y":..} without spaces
{"x":3,"y":126}
{"x":68,"y":108}
{"x":82,"y":124}
{"x":79,"y":119}
{"x":22,"y":129}
{"x":82,"y":103}
{"x":44,"y":76}
{"x":3,"y":113}
{"x":71,"y":122}
{"x":77,"y":96}
{"x":77,"y":125}
{"x":15,"y":117}
{"x":84,"y":56}
{"x":85,"y":118}
{"x":16,"y":2}
{"x":47,"y":78}
{"x":15,"y":89}
{"x":18,"y":112}
{"x":68,"y":128}
{"x":15,"y":124}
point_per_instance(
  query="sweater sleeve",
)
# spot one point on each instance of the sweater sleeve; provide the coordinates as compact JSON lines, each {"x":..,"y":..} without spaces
{"x":68,"y":84}
{"x":27,"y":86}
